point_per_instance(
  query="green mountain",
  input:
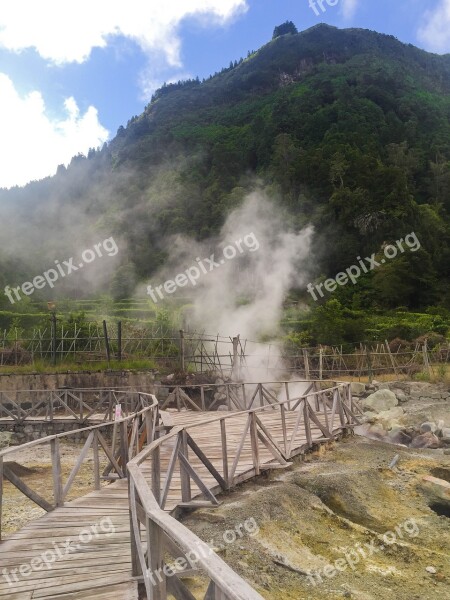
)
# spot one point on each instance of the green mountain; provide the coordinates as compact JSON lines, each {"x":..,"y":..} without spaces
{"x":347,"y":129}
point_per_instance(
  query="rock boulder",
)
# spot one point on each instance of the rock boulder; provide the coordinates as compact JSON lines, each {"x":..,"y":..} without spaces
{"x":380,"y":401}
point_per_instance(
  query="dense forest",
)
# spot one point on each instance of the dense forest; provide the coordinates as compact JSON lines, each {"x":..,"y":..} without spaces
{"x":348,"y":130}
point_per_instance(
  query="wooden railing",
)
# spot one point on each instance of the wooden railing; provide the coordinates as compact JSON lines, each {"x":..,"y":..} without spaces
{"x":118,"y":440}
{"x":330,"y":411}
{"x":72,"y":405}
{"x":233,"y":396}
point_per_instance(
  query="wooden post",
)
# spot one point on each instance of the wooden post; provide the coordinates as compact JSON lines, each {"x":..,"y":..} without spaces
{"x":307,"y":423}
{"x":214,"y":592}
{"x":155,"y":549}
{"x":119,"y":341}
{"x":123,"y":446}
{"x":254,"y":441}
{"x":235,"y":370}
{"x":202,"y":396}
{"x":136,"y":569}
{"x":149,"y":427}
{"x":283,"y":424}
{"x":286,"y":384}
{"x":182,"y":356}
{"x":321,"y":364}
{"x":156,"y":474}
{"x":426,"y":360}
{"x":186,"y":493}
{"x":261,"y":397}
{"x":108,"y":350}
{"x":53,"y":318}
{"x":96,"y":461}
{"x":223,"y":435}
{"x":369,"y":365}
{"x":56,"y":469}
{"x":391,"y":357}
{"x":306,"y":359}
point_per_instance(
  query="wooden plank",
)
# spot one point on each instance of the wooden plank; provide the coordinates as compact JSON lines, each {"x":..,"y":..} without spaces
{"x":192,"y":473}
{"x":170,"y":471}
{"x":202,"y":456}
{"x":108,"y":453}
{"x":186,"y":493}
{"x":77,"y":466}
{"x":28,"y":492}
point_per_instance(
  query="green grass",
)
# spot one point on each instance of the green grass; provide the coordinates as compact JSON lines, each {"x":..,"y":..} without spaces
{"x":439,"y":374}
{"x":114,"y":365}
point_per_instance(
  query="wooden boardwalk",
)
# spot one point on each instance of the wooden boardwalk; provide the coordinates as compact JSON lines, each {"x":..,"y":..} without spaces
{"x":102,"y":568}
{"x":83,"y":549}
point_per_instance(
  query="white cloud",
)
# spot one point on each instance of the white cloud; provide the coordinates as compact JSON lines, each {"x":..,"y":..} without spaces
{"x":349,"y":8}
{"x":33,"y":144}
{"x":435,"y":31}
{"x":149,"y":83}
{"x":63,"y":32}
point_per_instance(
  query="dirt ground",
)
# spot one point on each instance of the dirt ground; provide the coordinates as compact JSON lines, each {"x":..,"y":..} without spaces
{"x":33,"y":466}
{"x":344,"y":504}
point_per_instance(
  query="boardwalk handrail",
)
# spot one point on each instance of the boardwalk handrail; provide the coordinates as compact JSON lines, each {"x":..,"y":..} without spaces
{"x":66,"y":405}
{"x":148,"y":499}
{"x":129,"y":435}
{"x":233,"y":396}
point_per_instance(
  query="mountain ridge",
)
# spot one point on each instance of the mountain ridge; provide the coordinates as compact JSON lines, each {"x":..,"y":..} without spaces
{"x":337,"y":124}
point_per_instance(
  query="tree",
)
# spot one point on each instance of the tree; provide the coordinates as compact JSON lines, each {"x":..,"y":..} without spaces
{"x":287,"y":27}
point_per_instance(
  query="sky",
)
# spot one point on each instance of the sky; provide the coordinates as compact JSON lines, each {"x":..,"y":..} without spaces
{"x":72,"y":72}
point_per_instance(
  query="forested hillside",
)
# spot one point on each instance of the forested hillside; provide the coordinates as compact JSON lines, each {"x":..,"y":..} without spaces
{"x":348,"y":130}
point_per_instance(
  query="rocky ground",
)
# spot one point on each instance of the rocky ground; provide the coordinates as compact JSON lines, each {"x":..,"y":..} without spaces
{"x":342,"y":524}
{"x":362,"y":518}
{"x":412,"y":414}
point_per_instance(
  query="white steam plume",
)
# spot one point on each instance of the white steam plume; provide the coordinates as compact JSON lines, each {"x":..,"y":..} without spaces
{"x":245,"y":295}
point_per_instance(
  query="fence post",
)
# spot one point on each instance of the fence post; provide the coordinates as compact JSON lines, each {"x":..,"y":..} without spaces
{"x":306,"y":359}
{"x":119,"y":341}
{"x":105,"y":333}
{"x":426,"y":360}
{"x":391,"y":357}
{"x":235,"y":371}
{"x":321,"y":363}
{"x":369,"y":365}
{"x":53,"y":317}
{"x":182,"y":350}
